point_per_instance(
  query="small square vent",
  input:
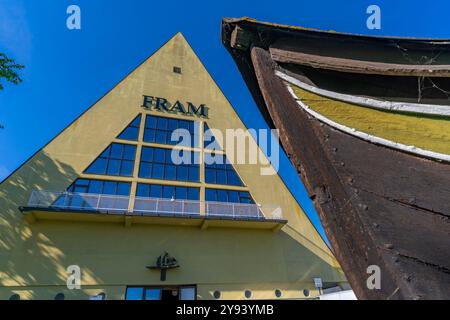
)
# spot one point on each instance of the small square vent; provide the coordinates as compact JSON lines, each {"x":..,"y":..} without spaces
{"x":177,"y":70}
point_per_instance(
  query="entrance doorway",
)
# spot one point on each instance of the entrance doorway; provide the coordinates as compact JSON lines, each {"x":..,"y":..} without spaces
{"x":161,"y":293}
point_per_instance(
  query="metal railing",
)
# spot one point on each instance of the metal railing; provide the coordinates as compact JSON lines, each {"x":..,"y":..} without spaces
{"x":150,"y":206}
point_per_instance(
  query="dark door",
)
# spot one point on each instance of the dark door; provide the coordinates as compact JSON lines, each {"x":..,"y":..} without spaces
{"x":170,"y":294}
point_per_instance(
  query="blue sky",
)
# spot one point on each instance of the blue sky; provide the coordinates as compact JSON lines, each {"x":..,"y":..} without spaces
{"x":66,"y":71}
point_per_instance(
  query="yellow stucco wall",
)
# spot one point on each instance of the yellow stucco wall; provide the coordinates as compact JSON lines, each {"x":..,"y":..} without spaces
{"x":34,"y":257}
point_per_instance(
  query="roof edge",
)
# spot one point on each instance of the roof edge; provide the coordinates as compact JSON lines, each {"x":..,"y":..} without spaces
{"x":254,"y":22}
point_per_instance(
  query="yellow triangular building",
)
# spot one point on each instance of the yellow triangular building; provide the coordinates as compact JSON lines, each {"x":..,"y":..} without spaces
{"x":101,"y":212}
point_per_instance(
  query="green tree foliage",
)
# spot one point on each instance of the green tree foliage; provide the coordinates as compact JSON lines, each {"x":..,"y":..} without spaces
{"x":8,"y":70}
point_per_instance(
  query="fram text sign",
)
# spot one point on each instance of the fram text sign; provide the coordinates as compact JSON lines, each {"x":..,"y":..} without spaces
{"x":163,"y":105}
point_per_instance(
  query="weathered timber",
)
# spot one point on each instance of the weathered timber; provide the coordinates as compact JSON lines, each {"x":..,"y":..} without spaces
{"x":396,"y":50}
{"x":241,"y":39}
{"x":378,"y":206}
{"x":357,"y":66}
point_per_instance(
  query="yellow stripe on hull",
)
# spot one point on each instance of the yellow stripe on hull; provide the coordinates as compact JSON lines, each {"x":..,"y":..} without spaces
{"x":428,"y":133}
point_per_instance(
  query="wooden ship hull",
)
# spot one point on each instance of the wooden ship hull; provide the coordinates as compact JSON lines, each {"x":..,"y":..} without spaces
{"x":366,"y":123}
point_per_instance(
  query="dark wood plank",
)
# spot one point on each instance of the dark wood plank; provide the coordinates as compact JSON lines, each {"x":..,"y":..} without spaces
{"x":283,"y":55}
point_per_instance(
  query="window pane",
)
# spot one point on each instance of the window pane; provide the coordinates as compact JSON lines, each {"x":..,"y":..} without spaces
{"x":143,"y":190}
{"x":245,"y":197}
{"x":95,"y":186}
{"x":221,"y":165}
{"x":130,"y":133}
{"x":233,"y":196}
{"x":193,"y":194}
{"x":109,"y":187}
{"x":187,"y":294}
{"x":210,"y":175}
{"x":123,"y":189}
{"x":222,"y":195}
{"x":211,"y":195}
{"x":134,"y":294}
{"x":80,"y":189}
{"x":98,"y":167}
{"x":113,"y":167}
{"x":194,"y":174}
{"x":149,"y":136}
{"x":161,"y":123}
{"x":127,"y":168}
{"x":160,"y":155}
{"x":155,"y":191}
{"x":136,"y":122}
{"x":172,"y":125}
{"x":170,"y":172}
{"x":158,"y":171}
{"x":150,"y":122}
{"x":183,"y":124}
{"x":147,"y":154}
{"x":221,"y":177}
{"x":182,"y":173}
{"x":129,"y":152}
{"x":160,"y":137}
{"x":168,"y":192}
{"x":152,"y":294}
{"x":233,"y":178}
{"x":145,"y":170}
{"x":82,"y":182}
{"x":106,"y":153}
{"x":116,"y":150}
{"x":181,"y":193}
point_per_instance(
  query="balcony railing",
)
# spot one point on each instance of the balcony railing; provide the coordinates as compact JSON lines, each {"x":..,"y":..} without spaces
{"x":113,"y":204}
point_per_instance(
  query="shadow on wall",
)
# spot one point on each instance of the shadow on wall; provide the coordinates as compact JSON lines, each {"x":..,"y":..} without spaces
{"x":36,"y":254}
{"x":308,"y":264}
{"x":27,"y":255}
